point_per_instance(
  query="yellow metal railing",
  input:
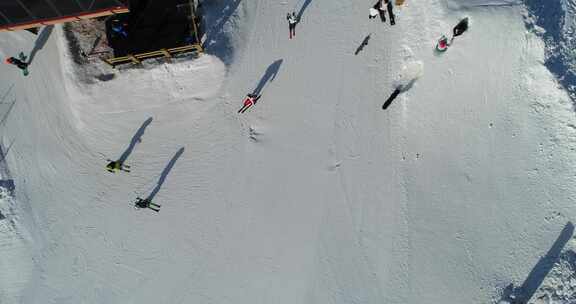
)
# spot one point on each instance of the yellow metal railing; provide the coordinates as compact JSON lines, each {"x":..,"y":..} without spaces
{"x":168,"y":53}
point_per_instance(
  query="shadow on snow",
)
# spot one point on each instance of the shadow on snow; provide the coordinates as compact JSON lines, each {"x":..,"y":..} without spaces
{"x":269,"y":76}
{"x":523,"y":294}
{"x":164,"y":174}
{"x":40,"y":41}
{"x":137,"y":138}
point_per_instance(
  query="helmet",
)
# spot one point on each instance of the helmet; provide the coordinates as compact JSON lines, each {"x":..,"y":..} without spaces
{"x":8,"y":60}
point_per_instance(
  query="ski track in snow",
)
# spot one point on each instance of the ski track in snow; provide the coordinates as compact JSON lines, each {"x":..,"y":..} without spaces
{"x":315,"y":194}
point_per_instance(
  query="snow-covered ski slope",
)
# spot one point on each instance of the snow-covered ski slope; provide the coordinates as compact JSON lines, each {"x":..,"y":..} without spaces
{"x":314,"y":195}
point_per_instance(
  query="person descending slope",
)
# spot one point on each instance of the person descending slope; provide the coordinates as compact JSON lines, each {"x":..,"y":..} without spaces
{"x":19,"y":62}
{"x":115,"y":165}
{"x":146,"y":203}
{"x":250,"y":100}
{"x":292,"y":21}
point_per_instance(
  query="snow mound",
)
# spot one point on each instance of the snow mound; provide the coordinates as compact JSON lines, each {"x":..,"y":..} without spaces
{"x":191,"y":81}
{"x":411,"y":71}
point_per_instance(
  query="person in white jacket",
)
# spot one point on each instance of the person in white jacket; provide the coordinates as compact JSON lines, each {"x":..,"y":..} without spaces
{"x":292,"y":21}
{"x":378,"y":9}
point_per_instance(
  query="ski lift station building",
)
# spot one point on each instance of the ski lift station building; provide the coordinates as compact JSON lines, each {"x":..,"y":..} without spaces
{"x":154,"y":28}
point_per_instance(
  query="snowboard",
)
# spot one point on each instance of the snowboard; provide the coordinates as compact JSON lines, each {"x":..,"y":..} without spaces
{"x":22,"y":57}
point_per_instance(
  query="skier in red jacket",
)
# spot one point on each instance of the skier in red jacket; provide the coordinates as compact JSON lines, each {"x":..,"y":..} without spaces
{"x":250,"y":100}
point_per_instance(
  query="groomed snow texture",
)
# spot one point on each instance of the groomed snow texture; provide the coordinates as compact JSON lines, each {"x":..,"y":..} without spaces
{"x":313,"y":195}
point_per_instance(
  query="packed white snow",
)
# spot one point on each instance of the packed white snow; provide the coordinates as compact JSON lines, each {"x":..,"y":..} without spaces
{"x":313,"y":195}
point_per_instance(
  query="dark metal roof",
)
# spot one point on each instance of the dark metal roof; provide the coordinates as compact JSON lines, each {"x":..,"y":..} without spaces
{"x":14,"y":12}
{"x":152,"y":25}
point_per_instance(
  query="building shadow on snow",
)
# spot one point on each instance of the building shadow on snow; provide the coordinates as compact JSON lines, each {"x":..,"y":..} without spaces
{"x":216,"y":14}
{"x":137,"y":138}
{"x":523,"y":294}
{"x":554,"y":17}
{"x":165,"y":173}
{"x":269,"y":76}
{"x":40,"y":41}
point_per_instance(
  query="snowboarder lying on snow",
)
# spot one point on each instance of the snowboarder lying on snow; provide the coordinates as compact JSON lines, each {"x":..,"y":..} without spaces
{"x":17,"y":62}
{"x":115,"y":165}
{"x":250,"y":100}
{"x":146,"y":203}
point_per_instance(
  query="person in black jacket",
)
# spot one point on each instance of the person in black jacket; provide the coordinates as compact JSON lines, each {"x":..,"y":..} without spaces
{"x":461,"y":27}
{"x":390,"y":11}
{"x":146,"y":203}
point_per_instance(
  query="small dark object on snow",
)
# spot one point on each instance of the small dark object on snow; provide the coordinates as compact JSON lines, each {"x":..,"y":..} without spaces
{"x":461,"y":27}
{"x":391,"y":98}
{"x":146,"y":203}
{"x":363,"y":44}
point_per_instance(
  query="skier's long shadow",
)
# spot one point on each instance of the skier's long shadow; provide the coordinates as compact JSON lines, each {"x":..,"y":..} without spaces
{"x":135,"y":139}
{"x":165,"y":173}
{"x":3,"y":99}
{"x":5,"y":116}
{"x":269,"y":75}
{"x":303,"y":8}
{"x":41,"y":41}
{"x":537,"y":275}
